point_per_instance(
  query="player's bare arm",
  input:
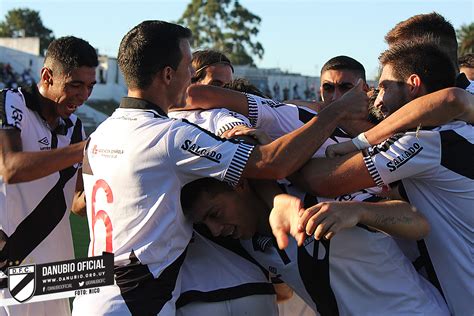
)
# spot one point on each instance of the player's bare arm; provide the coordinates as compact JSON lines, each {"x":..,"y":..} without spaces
{"x":19,"y":166}
{"x":333,"y":177}
{"x":396,"y":218}
{"x":433,"y":109}
{"x":288,"y":153}
{"x":205,"y":97}
{"x":79,"y":199}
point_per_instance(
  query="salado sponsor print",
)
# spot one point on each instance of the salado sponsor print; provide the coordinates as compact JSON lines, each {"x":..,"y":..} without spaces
{"x":197,"y":150}
{"x":400,"y":160}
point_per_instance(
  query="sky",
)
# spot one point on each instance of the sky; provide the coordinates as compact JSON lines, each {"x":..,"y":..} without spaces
{"x":298,"y":36}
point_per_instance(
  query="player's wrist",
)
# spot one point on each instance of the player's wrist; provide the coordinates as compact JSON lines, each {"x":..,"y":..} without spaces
{"x":361,"y":142}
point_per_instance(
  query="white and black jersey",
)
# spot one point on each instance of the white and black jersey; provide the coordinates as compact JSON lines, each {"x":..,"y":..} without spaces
{"x":213,"y":273}
{"x":358,"y":272}
{"x":377,"y":275}
{"x":216,"y":121}
{"x":277,"y":119}
{"x":437,"y":173}
{"x":135,"y":165}
{"x":34,"y":215}
{"x":210,"y":272}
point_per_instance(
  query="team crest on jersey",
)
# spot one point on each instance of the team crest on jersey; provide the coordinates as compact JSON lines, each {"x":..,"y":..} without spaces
{"x":197,"y":150}
{"x":401,"y":159}
{"x":21,"y":282}
{"x":16,"y":115}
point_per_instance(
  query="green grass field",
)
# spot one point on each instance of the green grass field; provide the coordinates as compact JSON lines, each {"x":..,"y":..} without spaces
{"x":80,"y":235}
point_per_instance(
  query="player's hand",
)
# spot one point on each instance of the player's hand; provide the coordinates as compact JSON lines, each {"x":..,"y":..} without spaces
{"x":340,"y":149}
{"x":354,"y":104}
{"x":326,"y":219}
{"x":284,"y":219}
{"x":243,"y":130}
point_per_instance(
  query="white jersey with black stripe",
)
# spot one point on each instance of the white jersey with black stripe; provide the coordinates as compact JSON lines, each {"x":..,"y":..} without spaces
{"x":135,"y":165}
{"x":37,"y":241}
{"x":437,"y":173}
{"x":372,"y":260}
{"x":360,"y":271}
{"x":238,"y":277}
{"x":216,"y":121}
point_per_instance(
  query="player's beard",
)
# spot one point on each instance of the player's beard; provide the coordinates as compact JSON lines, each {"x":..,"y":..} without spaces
{"x":375,"y":114}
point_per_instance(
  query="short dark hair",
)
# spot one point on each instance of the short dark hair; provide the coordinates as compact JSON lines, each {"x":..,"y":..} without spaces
{"x":423,"y":58}
{"x":147,"y":49}
{"x":344,"y":63}
{"x":243,"y":85}
{"x":466,"y":61}
{"x":422,"y":25}
{"x":67,"y":53}
{"x":192,"y":191}
{"x":205,"y":58}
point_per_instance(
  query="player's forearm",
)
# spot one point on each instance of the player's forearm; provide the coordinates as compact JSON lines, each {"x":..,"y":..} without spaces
{"x":334,"y":177}
{"x":395,"y":218}
{"x":355,"y":127}
{"x":433,"y":109}
{"x":210,"y":97}
{"x":288,"y":153}
{"x":28,"y":166}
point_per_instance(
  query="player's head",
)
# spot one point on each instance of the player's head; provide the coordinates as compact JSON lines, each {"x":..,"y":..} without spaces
{"x":466,"y":66}
{"x":431,"y":25}
{"x":339,"y":75}
{"x":243,"y":85}
{"x":410,"y":70}
{"x":212,"y":67}
{"x":68,"y":73}
{"x":157,"y":54}
{"x":224,"y":210}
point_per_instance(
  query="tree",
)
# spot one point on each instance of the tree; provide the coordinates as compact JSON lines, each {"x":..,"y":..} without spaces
{"x":224,"y":25}
{"x":466,"y":39}
{"x":26,"y":23}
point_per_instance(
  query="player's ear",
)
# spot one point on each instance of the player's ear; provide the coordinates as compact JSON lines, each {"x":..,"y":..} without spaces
{"x":167,"y":74}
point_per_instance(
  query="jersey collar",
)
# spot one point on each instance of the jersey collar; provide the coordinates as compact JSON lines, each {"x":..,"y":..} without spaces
{"x":142,"y":104}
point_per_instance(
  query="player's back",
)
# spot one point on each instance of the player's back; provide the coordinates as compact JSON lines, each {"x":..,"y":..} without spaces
{"x":127,"y":172}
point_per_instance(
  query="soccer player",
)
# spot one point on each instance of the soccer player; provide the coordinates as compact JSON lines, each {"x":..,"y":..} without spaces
{"x":434,"y":28}
{"x":41,"y":152}
{"x":242,"y":286}
{"x":358,"y":271}
{"x":434,"y":166}
{"x":138,"y":160}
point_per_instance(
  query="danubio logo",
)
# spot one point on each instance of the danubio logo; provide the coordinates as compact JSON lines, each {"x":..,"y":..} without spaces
{"x":202,"y":152}
{"x":399,"y":161}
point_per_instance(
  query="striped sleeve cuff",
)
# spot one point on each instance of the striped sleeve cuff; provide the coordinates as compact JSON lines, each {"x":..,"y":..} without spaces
{"x":373,"y":171}
{"x":237,"y":165}
{"x":229,"y":126}
{"x":253,"y":109}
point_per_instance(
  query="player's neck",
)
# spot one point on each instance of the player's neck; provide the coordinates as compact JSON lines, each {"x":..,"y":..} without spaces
{"x":47,"y":108}
{"x":157,"y":99}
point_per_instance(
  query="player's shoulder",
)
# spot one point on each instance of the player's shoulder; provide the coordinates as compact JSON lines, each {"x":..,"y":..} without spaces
{"x":13,"y":98}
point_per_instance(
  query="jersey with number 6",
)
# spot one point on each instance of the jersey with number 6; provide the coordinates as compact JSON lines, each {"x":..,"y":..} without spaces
{"x":135,"y":165}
